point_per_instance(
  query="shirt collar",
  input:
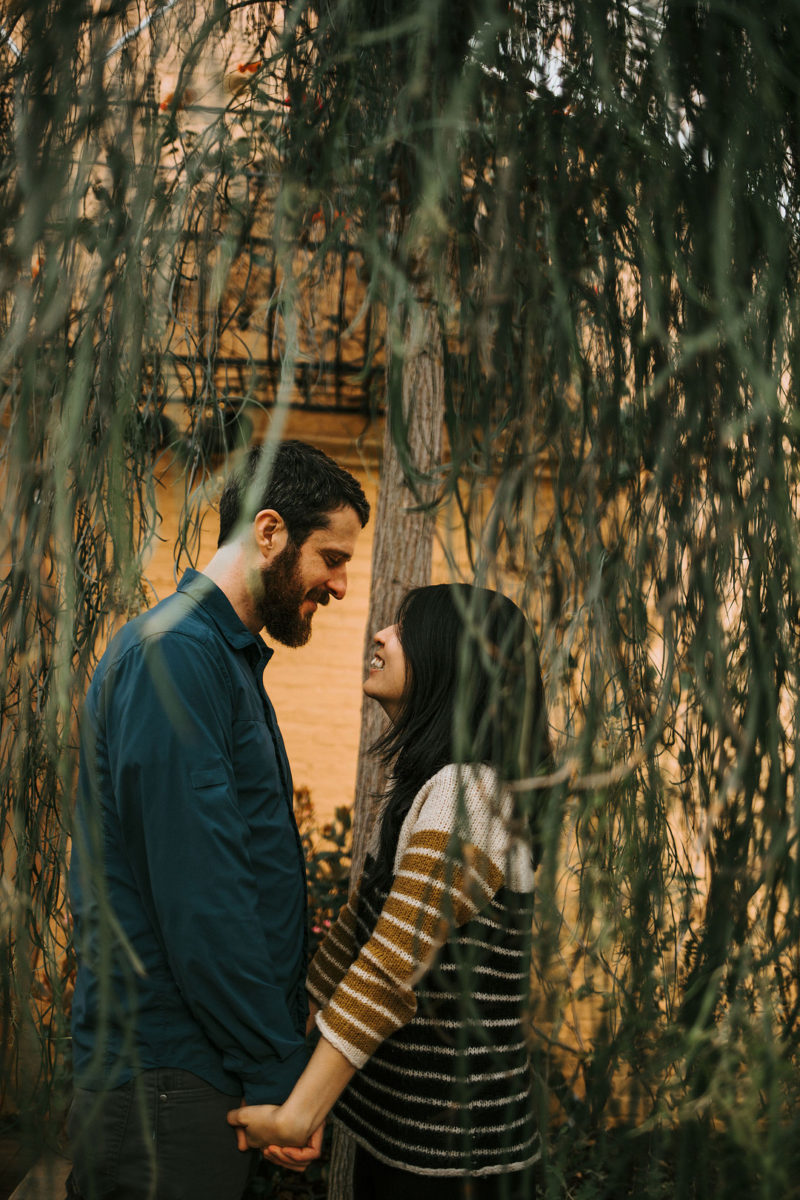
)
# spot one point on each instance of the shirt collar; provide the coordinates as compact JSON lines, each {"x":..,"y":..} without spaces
{"x":219,"y":608}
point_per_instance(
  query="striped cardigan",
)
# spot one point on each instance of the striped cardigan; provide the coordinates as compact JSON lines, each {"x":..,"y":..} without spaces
{"x":422,"y":988}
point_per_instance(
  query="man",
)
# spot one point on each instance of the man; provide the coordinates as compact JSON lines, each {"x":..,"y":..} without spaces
{"x":187,"y":880}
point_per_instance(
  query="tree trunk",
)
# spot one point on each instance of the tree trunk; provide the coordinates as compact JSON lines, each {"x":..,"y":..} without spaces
{"x":401,"y":559}
{"x":403,"y":541}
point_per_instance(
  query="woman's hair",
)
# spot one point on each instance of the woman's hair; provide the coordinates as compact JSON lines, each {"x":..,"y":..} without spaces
{"x":474,"y":695}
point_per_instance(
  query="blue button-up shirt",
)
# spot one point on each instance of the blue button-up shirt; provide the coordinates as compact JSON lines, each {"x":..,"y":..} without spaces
{"x":187,"y":879}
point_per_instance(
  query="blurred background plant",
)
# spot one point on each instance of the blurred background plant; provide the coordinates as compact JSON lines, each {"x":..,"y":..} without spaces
{"x":327,"y":852}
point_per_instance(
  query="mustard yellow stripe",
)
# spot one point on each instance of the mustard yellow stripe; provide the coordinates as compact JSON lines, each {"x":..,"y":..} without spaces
{"x":423,"y":863}
{"x":415,"y":889}
{"x":338,"y":1024}
{"x":430,"y":839}
{"x":408,"y":911}
{"x":430,"y":926}
{"x":390,"y":959}
{"x":474,"y":857}
{"x":430,"y":891}
{"x":400,"y":1006}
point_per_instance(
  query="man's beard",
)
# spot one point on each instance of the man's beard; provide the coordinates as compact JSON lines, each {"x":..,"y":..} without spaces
{"x":282,"y":595}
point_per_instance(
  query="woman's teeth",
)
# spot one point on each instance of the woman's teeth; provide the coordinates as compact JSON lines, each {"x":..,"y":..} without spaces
{"x":376,"y":664}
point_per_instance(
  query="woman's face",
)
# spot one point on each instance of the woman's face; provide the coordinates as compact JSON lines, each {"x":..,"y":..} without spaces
{"x":387,"y":680}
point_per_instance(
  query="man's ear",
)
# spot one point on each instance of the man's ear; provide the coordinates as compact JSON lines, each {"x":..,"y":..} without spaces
{"x":270,"y":532}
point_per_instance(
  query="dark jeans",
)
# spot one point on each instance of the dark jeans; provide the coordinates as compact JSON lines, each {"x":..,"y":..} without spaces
{"x":373,"y":1180}
{"x":163,"y":1136}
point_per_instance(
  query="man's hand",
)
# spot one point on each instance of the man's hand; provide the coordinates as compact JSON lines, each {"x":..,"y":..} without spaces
{"x":266,"y":1127}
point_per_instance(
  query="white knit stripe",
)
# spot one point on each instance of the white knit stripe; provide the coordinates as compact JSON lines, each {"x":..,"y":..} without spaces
{"x":386,"y":982}
{"x":430,"y":881}
{"x":493,"y":997}
{"x":520,"y":905}
{"x":344,"y":1015}
{"x":321,"y":998}
{"x":334,"y":955}
{"x":468,"y":941}
{"x":472,"y":877}
{"x":445,"y":1102}
{"x":394,"y":1117}
{"x":431,"y":909}
{"x":414,"y":930}
{"x":429,"y":885}
{"x":370,"y":976}
{"x":453,"y":1154}
{"x":491,"y":917}
{"x":490,"y":924}
{"x":467,"y":1022}
{"x":437,"y":1076}
{"x":377,"y":937}
{"x":450,"y":1051}
{"x":375,"y":912}
{"x":328,"y":979}
{"x":335,"y":938}
{"x":470,"y":970}
{"x":453,"y":867}
{"x":464,"y":893}
{"x":336,"y":945}
{"x":366,"y":905}
{"x":445,"y":998}
{"x":425,"y":851}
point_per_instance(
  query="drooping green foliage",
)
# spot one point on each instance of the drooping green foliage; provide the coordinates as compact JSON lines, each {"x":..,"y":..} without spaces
{"x":598,"y":202}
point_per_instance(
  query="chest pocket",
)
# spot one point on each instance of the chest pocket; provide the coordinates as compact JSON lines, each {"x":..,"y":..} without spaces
{"x":206,"y":777}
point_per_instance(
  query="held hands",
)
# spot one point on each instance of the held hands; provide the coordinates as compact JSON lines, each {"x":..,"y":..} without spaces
{"x":291,"y":1133}
{"x":265,"y":1127}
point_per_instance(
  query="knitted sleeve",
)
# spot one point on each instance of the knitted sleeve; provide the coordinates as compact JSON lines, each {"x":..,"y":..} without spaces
{"x":334,"y":956}
{"x":450,"y":866}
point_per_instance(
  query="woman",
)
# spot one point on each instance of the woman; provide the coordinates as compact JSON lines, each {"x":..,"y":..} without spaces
{"x":419,"y":987}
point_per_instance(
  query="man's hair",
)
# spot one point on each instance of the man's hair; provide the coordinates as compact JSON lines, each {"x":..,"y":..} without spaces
{"x":303,"y":485}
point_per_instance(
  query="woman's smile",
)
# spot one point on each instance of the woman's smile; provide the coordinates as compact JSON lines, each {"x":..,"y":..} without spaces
{"x":387,"y":680}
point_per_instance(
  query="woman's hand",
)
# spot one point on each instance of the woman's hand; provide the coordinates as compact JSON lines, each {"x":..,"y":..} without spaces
{"x":256,"y":1125}
{"x":261,"y":1125}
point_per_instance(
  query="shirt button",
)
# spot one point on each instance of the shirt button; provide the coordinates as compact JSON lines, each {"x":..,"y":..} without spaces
{"x":163,"y":1096}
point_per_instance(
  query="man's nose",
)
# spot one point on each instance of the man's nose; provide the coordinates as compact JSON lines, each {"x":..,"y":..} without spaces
{"x":336,"y":582}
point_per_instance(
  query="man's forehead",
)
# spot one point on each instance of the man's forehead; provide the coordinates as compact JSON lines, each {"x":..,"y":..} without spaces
{"x":343,"y":529}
